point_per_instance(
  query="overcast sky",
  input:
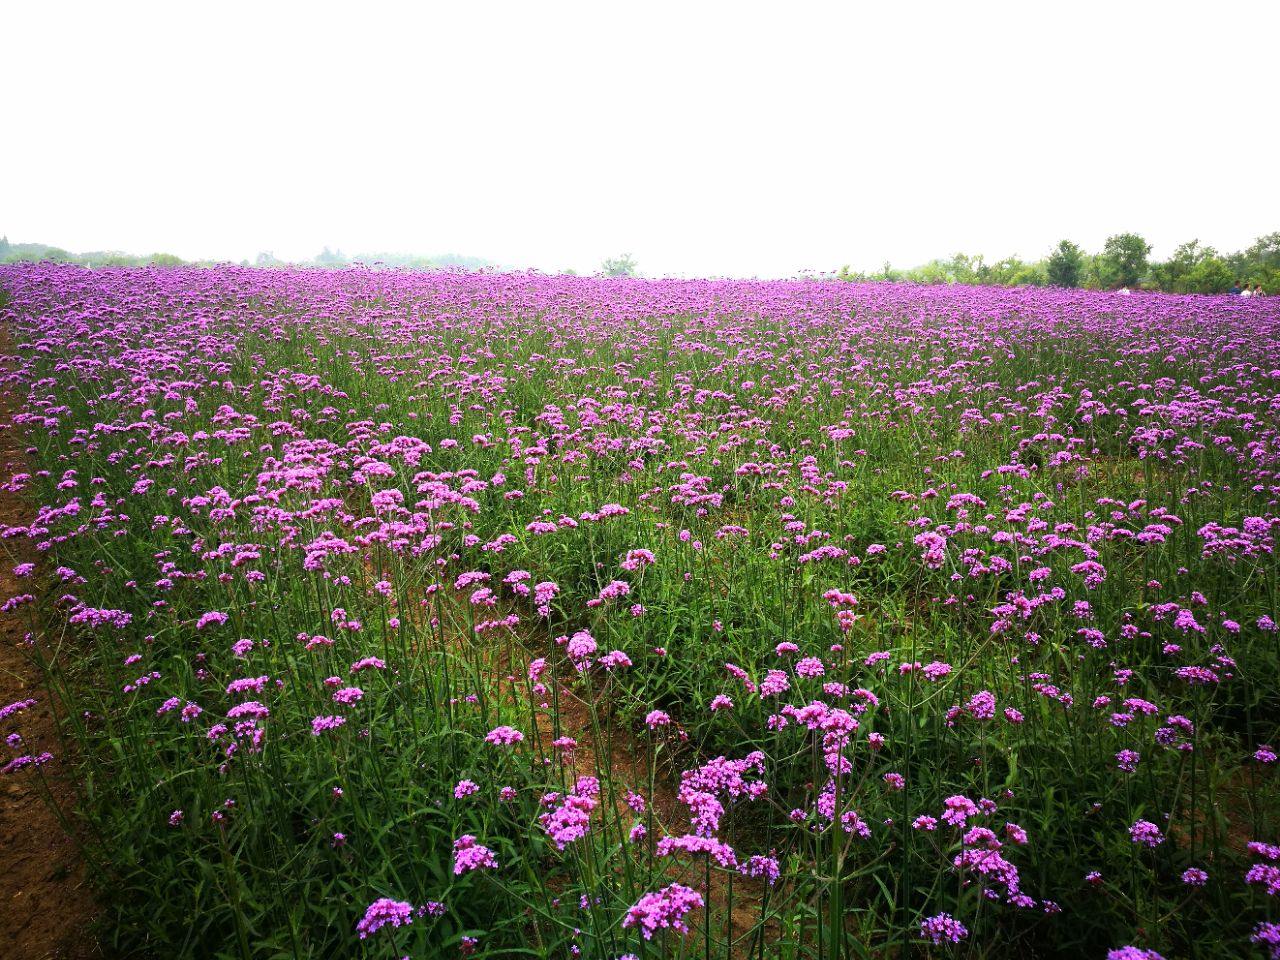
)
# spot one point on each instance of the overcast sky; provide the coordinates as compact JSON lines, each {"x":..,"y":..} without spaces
{"x":706,"y":139}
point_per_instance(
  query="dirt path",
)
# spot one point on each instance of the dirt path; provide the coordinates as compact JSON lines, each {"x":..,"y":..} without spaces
{"x":45,"y":904}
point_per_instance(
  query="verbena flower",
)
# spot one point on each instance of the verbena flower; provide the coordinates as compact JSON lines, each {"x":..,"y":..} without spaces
{"x":469,"y":855}
{"x":1146,"y":833}
{"x":663,"y":909}
{"x":320,"y":724}
{"x":943,"y":928}
{"x":504,"y":736}
{"x":384,"y":912}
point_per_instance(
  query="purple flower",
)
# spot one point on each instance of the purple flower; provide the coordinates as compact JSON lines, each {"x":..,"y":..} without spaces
{"x":1266,"y":875}
{"x":663,"y":909}
{"x":958,"y":810}
{"x":774,"y":683}
{"x":810,"y":667}
{"x":692,"y":843}
{"x":614,"y":660}
{"x":1146,"y":832}
{"x":760,"y":866}
{"x":247,"y":684}
{"x":213,"y":617}
{"x":384,"y":912}
{"x":1267,"y":934}
{"x":1194,"y":877}
{"x":936,"y":670}
{"x":17,"y":763}
{"x":469,"y":855}
{"x":320,"y":724}
{"x":943,"y":928}
{"x":16,"y":707}
{"x":581,"y":645}
{"x":982,"y":705}
{"x":504,"y":736}
{"x":635,"y":559}
{"x":1133,"y":953}
{"x":1127,"y":760}
{"x":571,"y":820}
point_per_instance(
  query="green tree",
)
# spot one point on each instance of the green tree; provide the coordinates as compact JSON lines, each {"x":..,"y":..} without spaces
{"x":1259,"y":263}
{"x":1014,"y":272}
{"x":1065,"y":266}
{"x":1211,"y":275}
{"x":968,"y":270}
{"x":1170,"y":273}
{"x":1194,"y":269}
{"x":1264,"y":253}
{"x":623,"y":266}
{"x":933,"y":272}
{"x":1124,"y":259}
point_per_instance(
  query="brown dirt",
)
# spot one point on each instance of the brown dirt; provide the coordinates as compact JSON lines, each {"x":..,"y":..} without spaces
{"x":45,"y":904}
{"x":629,"y":759}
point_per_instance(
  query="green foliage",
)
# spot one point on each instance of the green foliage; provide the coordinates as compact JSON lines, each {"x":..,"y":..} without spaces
{"x":1013,"y":272}
{"x":252,"y":864}
{"x":1261,"y":256}
{"x":1194,"y":269}
{"x":1124,"y":260}
{"x":1065,"y":266}
{"x":623,"y":266}
{"x":330,"y":258}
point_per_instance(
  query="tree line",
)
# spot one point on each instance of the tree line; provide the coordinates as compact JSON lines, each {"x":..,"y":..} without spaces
{"x":1123,"y":262}
{"x":14,"y":252}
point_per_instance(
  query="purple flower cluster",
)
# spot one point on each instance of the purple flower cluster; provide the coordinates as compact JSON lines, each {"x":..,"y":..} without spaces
{"x":663,"y":909}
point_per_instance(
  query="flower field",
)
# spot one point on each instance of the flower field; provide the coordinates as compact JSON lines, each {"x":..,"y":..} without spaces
{"x":394,"y":614}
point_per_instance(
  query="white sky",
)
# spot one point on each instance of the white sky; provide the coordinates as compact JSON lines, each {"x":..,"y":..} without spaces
{"x":706,"y":139}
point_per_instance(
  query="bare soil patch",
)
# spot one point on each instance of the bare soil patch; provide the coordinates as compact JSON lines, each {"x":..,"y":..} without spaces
{"x":46,"y":907}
